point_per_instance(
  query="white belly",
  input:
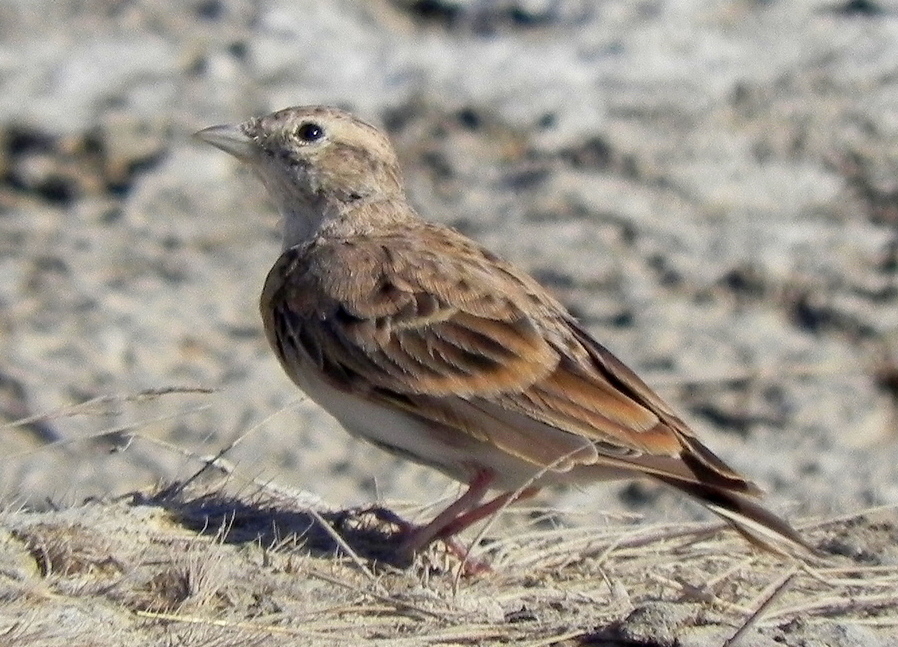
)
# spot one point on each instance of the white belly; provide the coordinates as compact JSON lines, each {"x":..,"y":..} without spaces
{"x":452,"y":451}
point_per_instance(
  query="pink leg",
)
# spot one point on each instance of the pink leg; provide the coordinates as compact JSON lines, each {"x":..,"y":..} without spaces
{"x":424,"y":535}
{"x":447,"y":534}
{"x":472,"y":516}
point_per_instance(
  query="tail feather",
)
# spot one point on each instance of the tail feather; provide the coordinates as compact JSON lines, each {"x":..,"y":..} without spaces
{"x":758,"y":525}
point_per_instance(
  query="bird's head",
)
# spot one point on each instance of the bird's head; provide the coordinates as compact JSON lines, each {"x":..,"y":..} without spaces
{"x":317,"y":162}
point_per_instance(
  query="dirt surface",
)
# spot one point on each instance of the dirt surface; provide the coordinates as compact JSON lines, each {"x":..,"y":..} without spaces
{"x":709,"y":186}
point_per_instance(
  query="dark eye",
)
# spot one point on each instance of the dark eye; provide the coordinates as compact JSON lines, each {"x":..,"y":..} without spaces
{"x":310,"y":132}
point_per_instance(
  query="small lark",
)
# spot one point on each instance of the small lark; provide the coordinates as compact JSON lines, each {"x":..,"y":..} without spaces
{"x":424,"y":343}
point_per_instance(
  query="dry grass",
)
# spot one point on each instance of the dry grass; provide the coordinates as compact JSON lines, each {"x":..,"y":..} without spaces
{"x":183,"y":567}
{"x":226,"y":560}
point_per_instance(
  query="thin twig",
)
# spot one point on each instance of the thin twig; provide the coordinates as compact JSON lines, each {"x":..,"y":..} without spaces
{"x":358,"y":561}
{"x":393,"y":602}
{"x":110,"y":431}
{"x":215,"y":460}
{"x":84,"y":408}
{"x":767,"y":598}
{"x":495,"y":516}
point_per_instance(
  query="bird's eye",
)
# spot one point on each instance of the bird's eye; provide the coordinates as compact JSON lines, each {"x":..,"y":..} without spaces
{"x":310,"y":132}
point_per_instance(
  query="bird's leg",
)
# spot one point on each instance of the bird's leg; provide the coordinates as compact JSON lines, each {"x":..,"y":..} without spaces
{"x":472,"y":516}
{"x":422,"y":536}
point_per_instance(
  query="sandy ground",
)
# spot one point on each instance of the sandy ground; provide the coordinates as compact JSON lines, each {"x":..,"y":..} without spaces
{"x":709,"y":186}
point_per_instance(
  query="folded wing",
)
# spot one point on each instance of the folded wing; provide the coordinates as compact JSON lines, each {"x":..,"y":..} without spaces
{"x":448,"y":331}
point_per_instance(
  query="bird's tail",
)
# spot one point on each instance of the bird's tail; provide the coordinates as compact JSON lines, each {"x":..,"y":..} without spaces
{"x":758,"y":525}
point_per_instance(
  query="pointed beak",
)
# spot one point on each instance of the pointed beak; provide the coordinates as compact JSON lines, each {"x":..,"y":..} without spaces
{"x":230,"y":139}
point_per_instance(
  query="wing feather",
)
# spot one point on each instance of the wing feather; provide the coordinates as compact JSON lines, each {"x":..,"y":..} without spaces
{"x":452,"y":334}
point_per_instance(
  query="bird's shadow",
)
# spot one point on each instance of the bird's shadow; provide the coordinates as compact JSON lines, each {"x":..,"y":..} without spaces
{"x":373,"y":534}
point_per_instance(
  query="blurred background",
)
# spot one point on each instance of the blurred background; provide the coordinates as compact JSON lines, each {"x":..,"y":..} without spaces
{"x":710,"y":186}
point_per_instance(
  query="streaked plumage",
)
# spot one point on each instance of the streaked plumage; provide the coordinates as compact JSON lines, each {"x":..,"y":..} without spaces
{"x":421,"y":341}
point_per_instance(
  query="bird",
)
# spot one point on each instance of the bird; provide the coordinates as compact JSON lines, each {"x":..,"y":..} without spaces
{"x":428,"y":345}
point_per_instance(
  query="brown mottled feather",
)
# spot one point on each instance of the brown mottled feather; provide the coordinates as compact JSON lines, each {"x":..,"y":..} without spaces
{"x":398,"y":321}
